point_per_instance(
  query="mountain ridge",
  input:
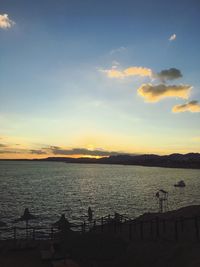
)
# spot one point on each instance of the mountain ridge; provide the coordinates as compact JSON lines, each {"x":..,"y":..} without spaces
{"x":175,"y":160}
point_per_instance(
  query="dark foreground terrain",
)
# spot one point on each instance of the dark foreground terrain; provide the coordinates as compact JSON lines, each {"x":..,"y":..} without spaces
{"x":173,"y":245}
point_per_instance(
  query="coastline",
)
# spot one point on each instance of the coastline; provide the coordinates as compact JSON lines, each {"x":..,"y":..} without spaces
{"x":173,"y":161}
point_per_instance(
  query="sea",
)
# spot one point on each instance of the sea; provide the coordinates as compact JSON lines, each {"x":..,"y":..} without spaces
{"x":50,"y":189}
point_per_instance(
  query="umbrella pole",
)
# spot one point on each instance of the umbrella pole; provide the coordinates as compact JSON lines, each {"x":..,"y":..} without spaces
{"x":26,"y":229}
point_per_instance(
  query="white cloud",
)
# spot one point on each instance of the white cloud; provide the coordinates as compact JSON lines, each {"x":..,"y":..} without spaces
{"x":131,"y":71}
{"x":115,"y":64}
{"x":172,"y":37}
{"x":118,"y":50}
{"x":5,"y":22}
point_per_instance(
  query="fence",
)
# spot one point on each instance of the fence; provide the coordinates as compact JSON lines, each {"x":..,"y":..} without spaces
{"x":34,"y":233}
{"x":173,"y":229}
{"x":176,"y":229}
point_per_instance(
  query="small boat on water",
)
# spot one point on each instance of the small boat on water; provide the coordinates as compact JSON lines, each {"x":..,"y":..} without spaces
{"x":180,"y":184}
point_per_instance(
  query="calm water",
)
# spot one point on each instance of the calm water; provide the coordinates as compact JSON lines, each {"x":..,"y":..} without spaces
{"x":50,"y":189}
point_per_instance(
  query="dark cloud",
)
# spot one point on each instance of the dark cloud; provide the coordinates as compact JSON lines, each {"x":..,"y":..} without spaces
{"x":169,"y":74}
{"x":51,"y":147}
{"x":3,"y":151}
{"x":192,"y":106}
{"x":2,"y":145}
{"x":8,"y":151}
{"x":82,"y":151}
{"x":38,"y":152}
{"x":154,"y":93}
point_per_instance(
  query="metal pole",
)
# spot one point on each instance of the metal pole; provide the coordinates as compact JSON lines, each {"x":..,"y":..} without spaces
{"x":176,"y":230}
{"x":196,"y":227}
{"x":51,"y":233}
{"x":157,"y":227}
{"x":27,"y":229}
{"x":102,"y":224}
{"x":141,"y":230}
{"x":130,"y":231}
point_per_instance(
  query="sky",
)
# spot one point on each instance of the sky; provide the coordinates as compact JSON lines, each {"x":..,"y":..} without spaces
{"x":99,"y":78}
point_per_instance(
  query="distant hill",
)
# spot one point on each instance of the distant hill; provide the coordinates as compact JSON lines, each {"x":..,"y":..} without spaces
{"x":188,"y":161}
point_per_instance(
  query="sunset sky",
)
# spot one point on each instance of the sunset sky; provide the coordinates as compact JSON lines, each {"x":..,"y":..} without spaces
{"x":98,"y":78}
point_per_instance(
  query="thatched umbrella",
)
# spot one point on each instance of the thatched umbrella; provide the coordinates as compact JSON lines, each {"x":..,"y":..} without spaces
{"x":62,"y":224}
{"x":27,"y":216}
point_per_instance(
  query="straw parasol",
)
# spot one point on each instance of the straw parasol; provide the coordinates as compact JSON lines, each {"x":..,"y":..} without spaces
{"x":27,"y":216}
{"x":62,"y":224}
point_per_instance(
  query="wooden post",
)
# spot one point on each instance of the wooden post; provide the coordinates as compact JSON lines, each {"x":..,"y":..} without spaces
{"x":176,"y":230}
{"x":101,"y":224}
{"x":84,"y":226}
{"x":94,"y":224}
{"x":157,"y":227}
{"x":51,"y":233}
{"x":141,"y":230}
{"x":26,"y":229}
{"x":164,"y":225}
{"x":15,"y":234}
{"x":115,"y":226}
{"x":120,"y":227}
{"x":182,"y":223}
{"x":196,"y":227}
{"x":130,"y":231}
{"x":151,"y":228}
{"x":33,"y":234}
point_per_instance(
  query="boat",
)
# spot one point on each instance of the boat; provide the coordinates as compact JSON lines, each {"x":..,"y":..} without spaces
{"x":180,"y":184}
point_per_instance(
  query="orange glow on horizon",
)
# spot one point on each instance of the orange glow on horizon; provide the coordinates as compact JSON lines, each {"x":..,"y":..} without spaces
{"x":35,"y":156}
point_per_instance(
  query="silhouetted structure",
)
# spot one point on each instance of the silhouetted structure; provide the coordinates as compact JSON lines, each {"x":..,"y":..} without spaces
{"x":27,"y":216}
{"x":162,"y":197}
{"x":62,"y":224}
{"x":90,"y":214}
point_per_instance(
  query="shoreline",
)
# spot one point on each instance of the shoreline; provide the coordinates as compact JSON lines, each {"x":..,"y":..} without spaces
{"x":78,"y":161}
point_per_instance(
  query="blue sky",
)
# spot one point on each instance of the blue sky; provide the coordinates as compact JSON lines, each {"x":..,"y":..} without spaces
{"x":55,"y":86}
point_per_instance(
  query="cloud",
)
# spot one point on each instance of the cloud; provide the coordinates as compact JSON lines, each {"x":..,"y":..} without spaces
{"x":118,"y":50}
{"x":38,"y":152}
{"x":2,"y":145}
{"x":3,"y":151}
{"x":81,"y":151}
{"x":169,"y":74}
{"x":9,"y":152}
{"x":5,"y":22}
{"x":115,"y":64}
{"x":154,"y":93}
{"x":131,"y":71}
{"x":172,"y":37}
{"x":192,"y":106}
{"x":164,"y":75}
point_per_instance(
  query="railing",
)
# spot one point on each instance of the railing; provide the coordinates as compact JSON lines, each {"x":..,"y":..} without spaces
{"x":176,"y":229}
{"x":36,"y":233}
{"x":173,"y":229}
